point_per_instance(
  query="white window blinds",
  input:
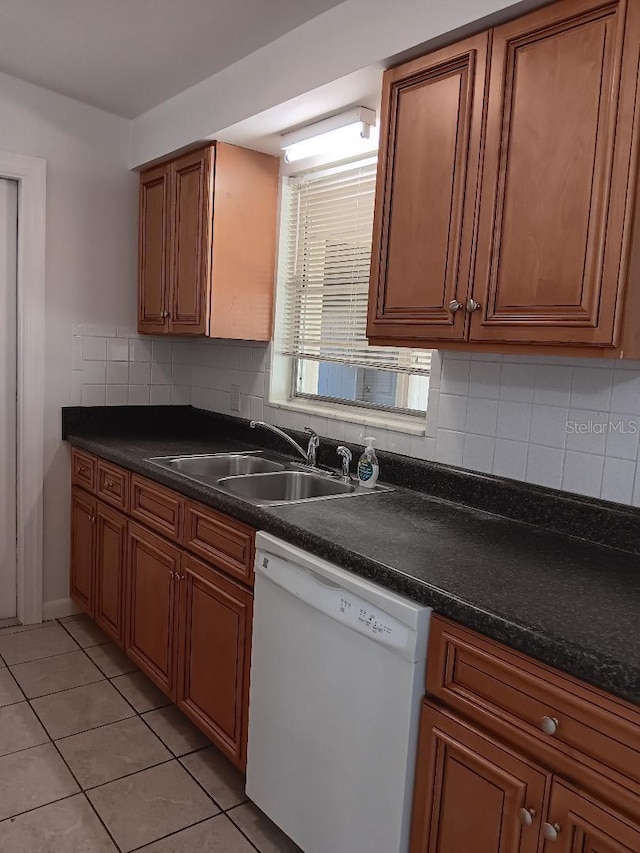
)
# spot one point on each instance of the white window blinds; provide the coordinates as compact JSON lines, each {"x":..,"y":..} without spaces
{"x":328,"y":251}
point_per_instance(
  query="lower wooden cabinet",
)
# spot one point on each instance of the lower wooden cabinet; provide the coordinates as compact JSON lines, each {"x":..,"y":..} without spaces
{"x":215,"y":645}
{"x":578,"y":824}
{"x":473,"y":794}
{"x":515,"y":757}
{"x":110,"y":571}
{"x":184,"y":621}
{"x":152,"y":592}
{"x":83,"y":546}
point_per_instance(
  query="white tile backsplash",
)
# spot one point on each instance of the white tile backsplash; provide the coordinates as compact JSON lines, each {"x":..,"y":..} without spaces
{"x":117,"y":367}
{"x":583,"y":473}
{"x":570,"y":424}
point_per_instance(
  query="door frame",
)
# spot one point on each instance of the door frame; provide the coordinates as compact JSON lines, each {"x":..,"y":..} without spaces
{"x":30,"y":173}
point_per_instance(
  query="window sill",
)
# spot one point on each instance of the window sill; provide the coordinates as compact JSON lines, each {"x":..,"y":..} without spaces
{"x":409,"y":424}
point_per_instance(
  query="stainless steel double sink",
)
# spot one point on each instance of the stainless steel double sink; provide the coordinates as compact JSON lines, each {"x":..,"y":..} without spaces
{"x":262,"y":478}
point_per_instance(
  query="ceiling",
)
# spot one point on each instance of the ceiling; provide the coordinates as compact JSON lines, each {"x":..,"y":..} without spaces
{"x":263,"y":131}
{"x":127,"y":56}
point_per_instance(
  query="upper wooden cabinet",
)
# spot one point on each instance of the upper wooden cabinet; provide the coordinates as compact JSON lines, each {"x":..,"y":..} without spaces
{"x":207,"y":244}
{"x":507,"y":187}
{"x":427,"y":175}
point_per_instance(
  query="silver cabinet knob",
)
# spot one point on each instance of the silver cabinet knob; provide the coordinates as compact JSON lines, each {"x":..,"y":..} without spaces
{"x":549,"y":725}
{"x":526,"y":816}
{"x":472,"y":305}
{"x":454,"y":306}
{"x":551,"y":831}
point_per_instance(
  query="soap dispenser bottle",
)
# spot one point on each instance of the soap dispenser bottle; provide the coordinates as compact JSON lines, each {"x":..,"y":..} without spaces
{"x":368,"y":468}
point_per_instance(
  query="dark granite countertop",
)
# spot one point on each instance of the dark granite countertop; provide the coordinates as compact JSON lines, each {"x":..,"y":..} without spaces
{"x":563,"y":600}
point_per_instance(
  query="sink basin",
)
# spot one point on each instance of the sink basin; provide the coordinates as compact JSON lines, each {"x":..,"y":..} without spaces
{"x":210,"y":469}
{"x":284,"y":487}
{"x":261,"y":477}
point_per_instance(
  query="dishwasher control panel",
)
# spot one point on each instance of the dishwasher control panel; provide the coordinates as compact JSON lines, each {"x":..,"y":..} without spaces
{"x":370,"y":620}
{"x":335,"y":601}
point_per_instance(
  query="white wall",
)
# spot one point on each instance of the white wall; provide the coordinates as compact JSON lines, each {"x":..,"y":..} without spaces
{"x":343,"y":40}
{"x":90,"y":259}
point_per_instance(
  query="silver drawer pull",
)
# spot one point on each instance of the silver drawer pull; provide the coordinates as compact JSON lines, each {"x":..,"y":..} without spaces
{"x":526,"y":816}
{"x":549,"y":725}
{"x":551,"y":831}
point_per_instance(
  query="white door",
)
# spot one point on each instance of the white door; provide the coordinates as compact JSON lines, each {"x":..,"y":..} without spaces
{"x":8,"y":411}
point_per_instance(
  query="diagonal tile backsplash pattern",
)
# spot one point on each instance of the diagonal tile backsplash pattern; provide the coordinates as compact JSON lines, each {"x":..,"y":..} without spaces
{"x":571,"y":424}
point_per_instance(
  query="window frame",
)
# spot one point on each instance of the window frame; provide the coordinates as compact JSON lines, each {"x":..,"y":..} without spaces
{"x":282,"y":377}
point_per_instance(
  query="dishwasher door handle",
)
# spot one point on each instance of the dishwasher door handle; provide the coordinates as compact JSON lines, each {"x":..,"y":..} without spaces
{"x":320,"y":579}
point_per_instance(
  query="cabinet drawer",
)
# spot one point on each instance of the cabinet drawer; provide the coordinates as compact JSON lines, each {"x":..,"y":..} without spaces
{"x":226,"y":543}
{"x":83,"y":470}
{"x":538,"y":707}
{"x":112,"y":485}
{"x":159,"y":508}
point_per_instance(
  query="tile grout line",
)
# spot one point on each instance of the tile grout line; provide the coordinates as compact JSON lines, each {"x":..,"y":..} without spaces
{"x":173,"y":756}
{"x":43,"y":805}
{"x":81,"y":789}
{"x":239,"y":828}
{"x":74,"y":777}
{"x":20,"y":690}
{"x":184,"y":829}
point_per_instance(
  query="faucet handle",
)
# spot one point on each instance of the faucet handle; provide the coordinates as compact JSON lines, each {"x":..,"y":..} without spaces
{"x":314,"y":444}
{"x":347,"y":456}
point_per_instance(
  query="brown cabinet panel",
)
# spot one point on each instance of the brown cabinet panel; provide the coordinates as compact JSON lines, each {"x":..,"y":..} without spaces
{"x":112,"y":485}
{"x":152,"y":572}
{"x":426,"y":193}
{"x":556,"y":169}
{"x":469,"y":791}
{"x":208,"y":244}
{"x":190,"y":265}
{"x":153,"y":250}
{"x":83,"y":544}
{"x":511,"y":695}
{"x":215,"y":647}
{"x":585,"y":826}
{"x":83,"y":470}
{"x":226,"y":543}
{"x":244,"y":243}
{"x":159,"y":508}
{"x":110,"y":571}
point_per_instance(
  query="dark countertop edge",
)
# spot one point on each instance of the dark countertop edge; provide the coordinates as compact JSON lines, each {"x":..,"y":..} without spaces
{"x":579,"y":662}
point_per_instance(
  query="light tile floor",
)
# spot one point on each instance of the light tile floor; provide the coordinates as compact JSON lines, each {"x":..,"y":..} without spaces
{"x":94,"y":758}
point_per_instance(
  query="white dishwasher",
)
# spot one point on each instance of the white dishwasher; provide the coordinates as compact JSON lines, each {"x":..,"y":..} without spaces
{"x":337,"y":678}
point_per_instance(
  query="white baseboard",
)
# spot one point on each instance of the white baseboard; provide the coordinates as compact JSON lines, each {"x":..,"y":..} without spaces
{"x":58,"y":609}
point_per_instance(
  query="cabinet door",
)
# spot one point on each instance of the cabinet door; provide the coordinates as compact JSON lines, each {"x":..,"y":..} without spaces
{"x":577,"y":824}
{"x":555,"y":206}
{"x":191,"y":225}
{"x":153,"y":250}
{"x":473,"y":794}
{"x":426,"y":194}
{"x":152,"y":572}
{"x":83,"y":540}
{"x":111,"y":556}
{"x":215,"y":648}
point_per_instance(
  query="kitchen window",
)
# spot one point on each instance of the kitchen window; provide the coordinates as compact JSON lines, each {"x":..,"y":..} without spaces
{"x":324,"y":263}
